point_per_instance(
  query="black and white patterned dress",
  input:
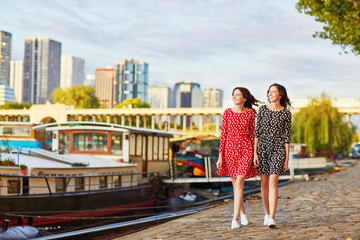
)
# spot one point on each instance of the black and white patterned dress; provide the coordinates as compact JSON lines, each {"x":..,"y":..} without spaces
{"x":273,"y":129}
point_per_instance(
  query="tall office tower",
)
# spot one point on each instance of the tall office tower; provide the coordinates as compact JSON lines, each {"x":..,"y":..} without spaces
{"x":105,"y":87}
{"x":5,"y":57}
{"x":132,"y":79}
{"x":41,"y":69}
{"x":213,"y":97}
{"x":90,"y":80}
{"x":7,"y":94}
{"x":159,"y":96}
{"x":187,"y":94}
{"x":17,"y":78}
{"x":72,"y":71}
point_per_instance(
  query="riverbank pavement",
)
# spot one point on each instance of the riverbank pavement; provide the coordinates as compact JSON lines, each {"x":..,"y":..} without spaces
{"x":325,"y":207}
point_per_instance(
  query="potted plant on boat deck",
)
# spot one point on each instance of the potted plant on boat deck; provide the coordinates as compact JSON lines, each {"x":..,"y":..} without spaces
{"x":8,"y":162}
{"x":23,"y":169}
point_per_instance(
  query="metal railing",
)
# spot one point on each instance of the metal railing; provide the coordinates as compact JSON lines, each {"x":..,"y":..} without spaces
{"x":180,"y":171}
{"x":48,"y":186}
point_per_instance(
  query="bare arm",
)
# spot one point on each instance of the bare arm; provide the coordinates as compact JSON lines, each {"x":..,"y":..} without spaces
{"x":256,"y":141}
{"x":256,"y":158}
{"x":222,"y":139}
{"x":287,"y":152}
{"x":287,"y":141}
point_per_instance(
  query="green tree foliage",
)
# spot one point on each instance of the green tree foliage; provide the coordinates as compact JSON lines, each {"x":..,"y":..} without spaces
{"x":133,"y":103}
{"x":15,"y":105}
{"x":322,"y":127}
{"x":80,"y":96}
{"x":341,"y":19}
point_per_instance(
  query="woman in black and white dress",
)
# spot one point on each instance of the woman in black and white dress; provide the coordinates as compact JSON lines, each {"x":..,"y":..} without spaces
{"x":272,"y":146}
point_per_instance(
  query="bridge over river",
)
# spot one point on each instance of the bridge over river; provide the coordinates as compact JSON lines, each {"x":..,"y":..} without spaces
{"x":190,"y":120}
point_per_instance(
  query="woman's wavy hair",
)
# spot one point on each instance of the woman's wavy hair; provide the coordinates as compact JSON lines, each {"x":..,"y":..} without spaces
{"x":284,"y":100}
{"x":250,"y":99}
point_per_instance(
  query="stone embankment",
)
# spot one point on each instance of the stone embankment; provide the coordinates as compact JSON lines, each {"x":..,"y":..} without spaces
{"x":327,"y":206}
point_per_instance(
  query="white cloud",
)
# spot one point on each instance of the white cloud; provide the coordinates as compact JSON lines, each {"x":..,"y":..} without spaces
{"x":216,"y":43}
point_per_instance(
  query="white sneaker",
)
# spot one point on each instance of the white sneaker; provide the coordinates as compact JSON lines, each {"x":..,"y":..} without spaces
{"x":271,"y":223}
{"x":235,"y":224}
{"x":266,"y":219}
{"x":244,"y":220}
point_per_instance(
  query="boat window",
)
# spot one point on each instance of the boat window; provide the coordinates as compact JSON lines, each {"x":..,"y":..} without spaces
{"x":116,"y":143}
{"x":90,"y":141}
{"x":23,"y":131}
{"x":64,"y":142}
{"x":117,"y":181}
{"x":132,"y":144}
{"x":166,"y":148}
{"x":79,"y":183}
{"x":103,"y":182}
{"x":138,"y":145}
{"x":59,"y":184}
{"x":156,"y":148}
{"x":13,"y":186}
{"x":161,"y":148}
{"x":150,"y":148}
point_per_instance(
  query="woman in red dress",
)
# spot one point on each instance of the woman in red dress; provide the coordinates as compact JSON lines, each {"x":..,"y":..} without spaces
{"x":237,"y":148}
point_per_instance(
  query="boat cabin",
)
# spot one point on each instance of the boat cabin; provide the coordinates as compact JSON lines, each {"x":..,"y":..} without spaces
{"x":86,"y":156}
{"x":19,"y":134}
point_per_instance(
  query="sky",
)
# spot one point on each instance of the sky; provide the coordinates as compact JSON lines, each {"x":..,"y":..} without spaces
{"x":216,"y":43}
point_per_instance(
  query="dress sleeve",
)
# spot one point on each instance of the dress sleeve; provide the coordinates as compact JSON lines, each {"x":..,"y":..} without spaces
{"x":258,"y":123}
{"x":287,"y":132}
{"x":252,"y":128}
{"x":224,"y":126}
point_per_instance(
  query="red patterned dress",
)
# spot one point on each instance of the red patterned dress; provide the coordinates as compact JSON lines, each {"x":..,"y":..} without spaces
{"x":237,"y":144}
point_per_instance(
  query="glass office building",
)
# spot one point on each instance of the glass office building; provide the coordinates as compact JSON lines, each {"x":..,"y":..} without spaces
{"x":132,"y":80}
{"x":42,"y":60}
{"x":17,"y":78}
{"x":5,"y":57}
{"x":187,"y":95}
{"x":7,"y":94}
{"x":72,"y":71}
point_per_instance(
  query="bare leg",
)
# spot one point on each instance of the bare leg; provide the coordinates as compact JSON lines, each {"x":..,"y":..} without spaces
{"x":238,"y":186}
{"x":273,"y":194}
{"x":265,"y":193}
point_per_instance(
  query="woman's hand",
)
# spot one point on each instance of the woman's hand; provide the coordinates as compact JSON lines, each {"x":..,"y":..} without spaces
{"x":285,"y":167}
{"x":219,"y":162}
{"x":256,"y":160}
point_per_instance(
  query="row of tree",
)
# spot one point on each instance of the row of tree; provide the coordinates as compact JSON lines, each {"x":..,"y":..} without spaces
{"x":323,"y":128}
{"x":83,"y":96}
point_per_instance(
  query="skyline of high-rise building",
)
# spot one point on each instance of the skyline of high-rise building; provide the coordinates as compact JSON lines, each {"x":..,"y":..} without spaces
{"x":213,"y":97}
{"x":187,"y":94}
{"x":17,"y":78}
{"x":105,"y":87}
{"x":7,"y":94}
{"x":159,"y":96}
{"x":132,"y":80}
{"x":72,"y":71}
{"x":5,"y":57}
{"x":42,"y":60}
{"x":41,"y":74}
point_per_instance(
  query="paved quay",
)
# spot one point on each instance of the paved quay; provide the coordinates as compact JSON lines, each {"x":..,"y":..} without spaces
{"x":325,"y":207}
